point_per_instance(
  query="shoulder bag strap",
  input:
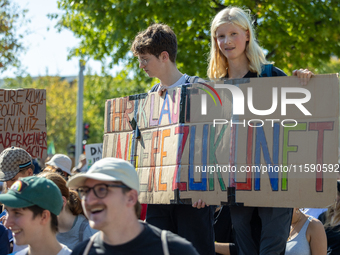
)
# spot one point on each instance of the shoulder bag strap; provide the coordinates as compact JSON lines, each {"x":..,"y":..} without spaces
{"x":164,"y":243}
{"x":267,"y":70}
{"x":89,"y":244}
{"x":193,"y":79}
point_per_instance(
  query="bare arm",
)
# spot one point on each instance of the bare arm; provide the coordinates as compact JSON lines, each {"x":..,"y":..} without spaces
{"x":222,"y":248}
{"x":316,"y":237}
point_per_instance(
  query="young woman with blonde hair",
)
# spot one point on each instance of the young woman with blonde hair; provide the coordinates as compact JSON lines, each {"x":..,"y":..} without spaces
{"x":235,"y":54}
{"x":307,"y":235}
{"x":234,"y":51}
{"x":331,"y":221}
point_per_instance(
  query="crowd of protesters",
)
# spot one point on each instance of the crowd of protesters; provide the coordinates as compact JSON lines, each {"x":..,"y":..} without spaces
{"x":62,"y":211}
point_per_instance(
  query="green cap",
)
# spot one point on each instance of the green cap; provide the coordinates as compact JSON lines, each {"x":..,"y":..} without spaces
{"x":31,"y":191}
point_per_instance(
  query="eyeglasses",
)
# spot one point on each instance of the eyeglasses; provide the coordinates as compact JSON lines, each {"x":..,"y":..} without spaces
{"x":100,"y":190}
{"x":143,"y":61}
{"x":62,"y":173}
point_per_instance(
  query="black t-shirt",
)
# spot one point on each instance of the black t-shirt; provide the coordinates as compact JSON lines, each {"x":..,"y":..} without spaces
{"x":223,"y":228}
{"x":148,"y":242}
{"x":275,"y":72}
{"x":333,"y":237}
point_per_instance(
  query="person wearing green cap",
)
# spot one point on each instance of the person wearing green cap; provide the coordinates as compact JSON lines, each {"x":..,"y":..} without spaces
{"x":33,"y":204}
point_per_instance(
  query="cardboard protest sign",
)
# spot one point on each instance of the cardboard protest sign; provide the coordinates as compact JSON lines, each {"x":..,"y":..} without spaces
{"x":23,"y":120}
{"x":93,"y":153}
{"x":267,"y":140}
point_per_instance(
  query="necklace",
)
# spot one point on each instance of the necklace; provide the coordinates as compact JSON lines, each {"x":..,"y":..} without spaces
{"x":293,"y":227}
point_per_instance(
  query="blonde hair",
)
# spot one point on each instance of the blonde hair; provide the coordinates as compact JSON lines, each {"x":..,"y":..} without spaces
{"x":332,"y":218}
{"x":218,"y":63}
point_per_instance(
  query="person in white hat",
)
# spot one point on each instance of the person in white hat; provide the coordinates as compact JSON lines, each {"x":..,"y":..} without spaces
{"x":109,"y":192}
{"x":61,"y":164}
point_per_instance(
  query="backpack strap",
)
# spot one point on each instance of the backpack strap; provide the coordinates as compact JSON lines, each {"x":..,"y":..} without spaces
{"x":164,"y":243}
{"x":192,"y":79}
{"x":89,"y":244}
{"x":267,"y":70}
{"x":82,"y":229}
{"x":154,"y":88}
{"x":188,"y":79}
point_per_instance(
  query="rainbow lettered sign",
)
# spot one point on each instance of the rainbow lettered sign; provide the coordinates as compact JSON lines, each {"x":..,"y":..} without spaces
{"x":273,"y":141}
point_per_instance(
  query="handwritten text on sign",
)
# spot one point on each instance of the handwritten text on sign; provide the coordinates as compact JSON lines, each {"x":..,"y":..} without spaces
{"x":181,"y":149}
{"x":22,"y":120}
{"x":93,"y":153}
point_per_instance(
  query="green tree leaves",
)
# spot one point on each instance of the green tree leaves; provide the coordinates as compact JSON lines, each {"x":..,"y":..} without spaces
{"x":97,"y":89}
{"x":294,"y":33}
{"x":10,"y":41}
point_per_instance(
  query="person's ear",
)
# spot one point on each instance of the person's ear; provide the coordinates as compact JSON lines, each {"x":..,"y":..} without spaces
{"x":45,"y":217}
{"x":64,"y":201}
{"x":164,"y":56}
{"x":132,"y":197}
{"x":29,"y":172}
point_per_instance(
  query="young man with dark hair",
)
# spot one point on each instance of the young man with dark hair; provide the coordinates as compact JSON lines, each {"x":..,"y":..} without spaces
{"x":109,"y":192}
{"x":156,"y":49}
{"x":33,"y":204}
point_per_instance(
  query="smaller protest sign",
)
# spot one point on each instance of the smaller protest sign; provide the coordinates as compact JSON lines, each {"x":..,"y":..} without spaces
{"x":93,"y":153}
{"x":23,"y":120}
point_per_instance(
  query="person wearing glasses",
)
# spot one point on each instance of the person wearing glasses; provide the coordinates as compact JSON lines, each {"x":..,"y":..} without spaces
{"x":109,"y":193}
{"x":60,"y":164}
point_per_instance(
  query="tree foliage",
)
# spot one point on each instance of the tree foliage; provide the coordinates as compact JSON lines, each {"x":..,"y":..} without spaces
{"x":333,"y":66}
{"x":61,"y":103}
{"x":11,"y":17}
{"x":294,"y":33}
{"x":97,"y":89}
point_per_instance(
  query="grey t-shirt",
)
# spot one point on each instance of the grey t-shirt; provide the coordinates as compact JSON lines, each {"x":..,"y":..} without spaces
{"x":79,"y":232}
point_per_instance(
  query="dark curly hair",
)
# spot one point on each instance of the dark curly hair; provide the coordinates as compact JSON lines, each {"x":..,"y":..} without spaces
{"x":154,"y":40}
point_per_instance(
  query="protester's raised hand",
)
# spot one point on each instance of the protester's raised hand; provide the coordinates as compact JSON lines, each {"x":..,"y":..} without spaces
{"x":304,"y":75}
{"x":161,"y":91}
{"x":199,"y":204}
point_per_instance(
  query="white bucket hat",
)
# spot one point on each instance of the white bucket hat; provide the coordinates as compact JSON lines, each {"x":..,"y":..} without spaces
{"x":61,"y":161}
{"x":108,"y":169}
